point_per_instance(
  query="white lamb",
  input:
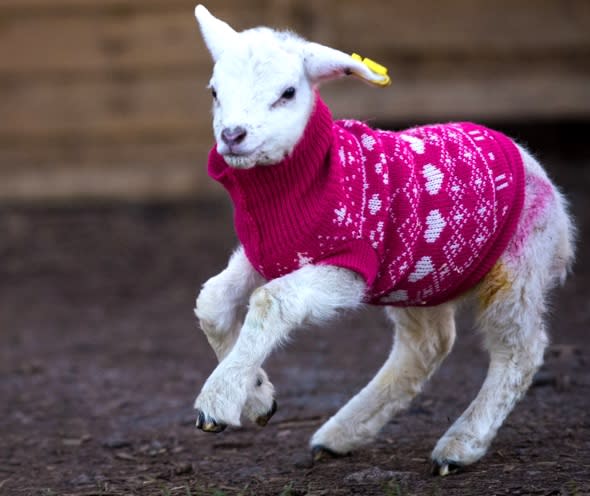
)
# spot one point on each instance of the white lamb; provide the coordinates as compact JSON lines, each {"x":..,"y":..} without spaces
{"x":419,"y":258}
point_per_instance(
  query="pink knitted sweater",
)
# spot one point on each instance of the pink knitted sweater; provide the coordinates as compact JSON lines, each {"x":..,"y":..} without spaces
{"x":422,"y":215}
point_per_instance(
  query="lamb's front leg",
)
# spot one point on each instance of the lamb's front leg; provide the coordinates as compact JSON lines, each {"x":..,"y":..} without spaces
{"x":220,"y":308}
{"x":310,"y":295}
{"x":223,"y":298}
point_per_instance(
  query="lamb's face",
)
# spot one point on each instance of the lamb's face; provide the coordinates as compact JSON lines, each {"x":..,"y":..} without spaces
{"x":262,"y":100}
{"x":262,"y":86}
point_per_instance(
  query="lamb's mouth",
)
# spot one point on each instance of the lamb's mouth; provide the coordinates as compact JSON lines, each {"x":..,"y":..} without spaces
{"x":241,"y":160}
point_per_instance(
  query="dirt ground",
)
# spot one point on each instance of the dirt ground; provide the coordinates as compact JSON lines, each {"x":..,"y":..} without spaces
{"x":101,"y":358}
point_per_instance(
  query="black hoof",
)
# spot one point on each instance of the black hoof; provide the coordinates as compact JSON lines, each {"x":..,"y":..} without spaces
{"x":320,"y":452}
{"x":263,"y":419}
{"x":446,"y":467}
{"x":207,"y":424}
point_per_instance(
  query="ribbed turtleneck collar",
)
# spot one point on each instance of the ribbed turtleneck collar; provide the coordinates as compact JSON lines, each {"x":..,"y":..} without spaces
{"x":287,"y":200}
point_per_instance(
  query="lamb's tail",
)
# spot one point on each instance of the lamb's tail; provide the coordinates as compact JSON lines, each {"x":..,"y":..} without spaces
{"x":566,"y":245}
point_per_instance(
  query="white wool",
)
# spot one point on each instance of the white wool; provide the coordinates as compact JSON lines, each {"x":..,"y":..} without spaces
{"x":245,"y":317}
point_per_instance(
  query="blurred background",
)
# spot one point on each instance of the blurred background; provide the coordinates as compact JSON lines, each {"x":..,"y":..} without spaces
{"x":106,"y":99}
{"x":109,"y":225}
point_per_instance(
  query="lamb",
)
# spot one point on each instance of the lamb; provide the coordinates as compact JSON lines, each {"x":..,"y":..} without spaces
{"x":335,"y":215}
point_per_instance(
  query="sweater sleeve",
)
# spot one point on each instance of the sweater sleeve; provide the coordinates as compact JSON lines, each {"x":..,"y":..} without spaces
{"x":358,"y":256}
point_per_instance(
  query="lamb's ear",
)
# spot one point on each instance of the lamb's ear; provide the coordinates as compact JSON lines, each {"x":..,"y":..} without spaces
{"x":218,"y":35}
{"x":323,"y":63}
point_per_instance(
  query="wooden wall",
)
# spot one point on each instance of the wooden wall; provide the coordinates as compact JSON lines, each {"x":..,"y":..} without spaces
{"x":104,"y":99}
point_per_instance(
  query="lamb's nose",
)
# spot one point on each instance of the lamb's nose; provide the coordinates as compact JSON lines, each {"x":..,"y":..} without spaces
{"x":233,"y":135}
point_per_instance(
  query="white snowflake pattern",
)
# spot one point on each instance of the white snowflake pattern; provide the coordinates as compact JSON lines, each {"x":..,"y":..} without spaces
{"x":375,"y":204}
{"x":340,"y":214}
{"x":303,"y":259}
{"x":368,"y":141}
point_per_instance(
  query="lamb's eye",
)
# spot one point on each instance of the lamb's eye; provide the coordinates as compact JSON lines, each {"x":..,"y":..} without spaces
{"x":214,"y":93}
{"x":289,"y":93}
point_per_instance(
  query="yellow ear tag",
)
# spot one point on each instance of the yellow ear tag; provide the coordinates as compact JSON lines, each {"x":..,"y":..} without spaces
{"x":375,"y":67}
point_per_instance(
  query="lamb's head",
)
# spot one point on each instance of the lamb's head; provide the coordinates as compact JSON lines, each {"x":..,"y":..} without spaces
{"x":263,"y":88}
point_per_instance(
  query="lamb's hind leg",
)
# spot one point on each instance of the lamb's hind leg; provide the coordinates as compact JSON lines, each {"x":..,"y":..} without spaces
{"x":511,"y":319}
{"x":423,"y":337}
